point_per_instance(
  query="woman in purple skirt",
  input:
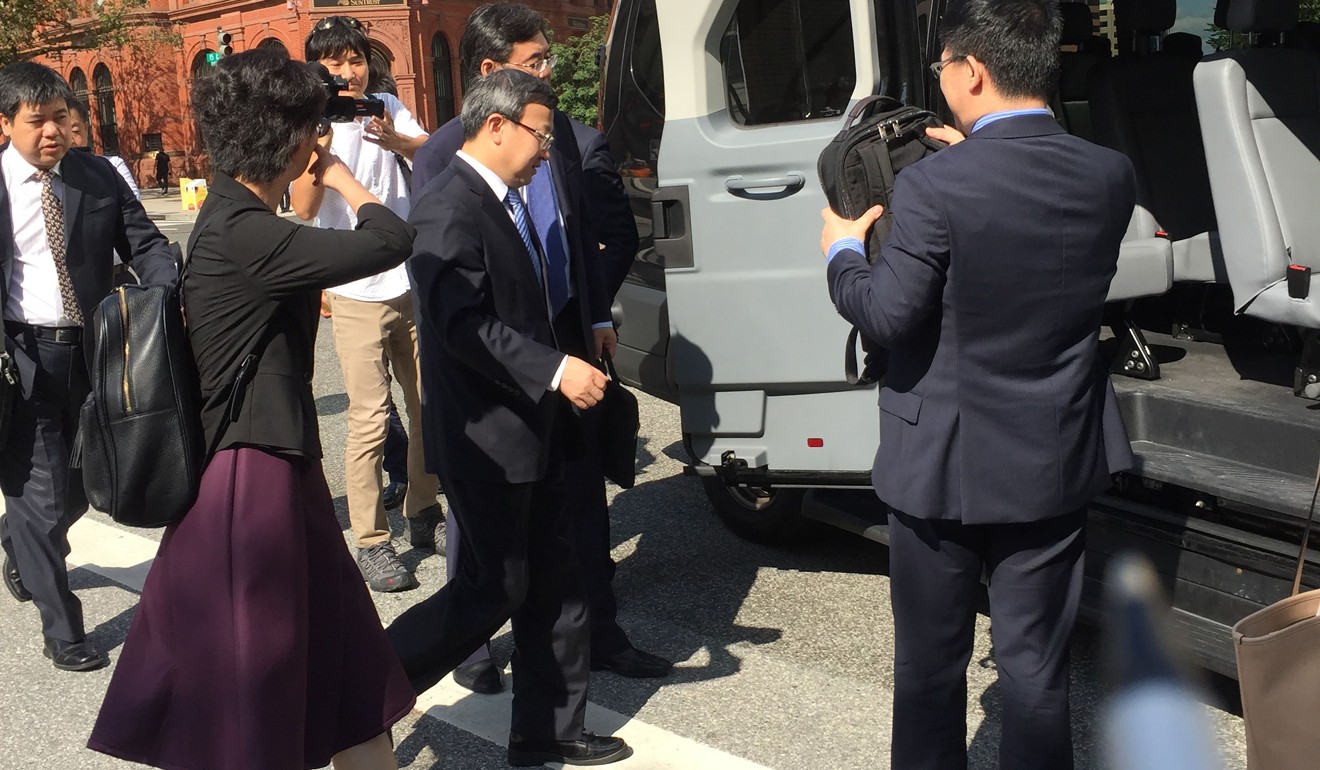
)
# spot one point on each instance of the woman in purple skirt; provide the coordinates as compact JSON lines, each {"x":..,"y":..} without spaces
{"x":255,"y":644}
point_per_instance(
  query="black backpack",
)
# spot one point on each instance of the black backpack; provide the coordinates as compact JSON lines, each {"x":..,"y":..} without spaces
{"x":857,"y":170}
{"x":141,"y":443}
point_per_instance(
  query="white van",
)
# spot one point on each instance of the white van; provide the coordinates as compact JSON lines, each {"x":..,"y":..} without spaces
{"x":717,"y":110}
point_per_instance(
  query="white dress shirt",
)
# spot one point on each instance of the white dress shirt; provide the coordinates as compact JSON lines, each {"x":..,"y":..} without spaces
{"x":501,"y":189}
{"x":34,"y":285}
{"x":378,"y":171}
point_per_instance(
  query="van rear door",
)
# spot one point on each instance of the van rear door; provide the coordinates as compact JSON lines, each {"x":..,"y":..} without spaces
{"x":726,"y":310}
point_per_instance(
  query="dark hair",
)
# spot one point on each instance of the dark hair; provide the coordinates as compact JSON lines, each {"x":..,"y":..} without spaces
{"x":382,"y":83}
{"x":503,"y":92}
{"x":336,"y":35}
{"x":79,"y":108}
{"x":491,"y":32}
{"x":255,"y":108}
{"x":31,"y":84}
{"x":1017,"y":40}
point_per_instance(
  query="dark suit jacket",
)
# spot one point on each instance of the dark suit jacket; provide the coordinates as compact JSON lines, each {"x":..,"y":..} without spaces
{"x":488,"y":348}
{"x":989,"y":291}
{"x":435,"y":155}
{"x":101,"y":215}
{"x":253,"y":275}
{"x":609,"y":214}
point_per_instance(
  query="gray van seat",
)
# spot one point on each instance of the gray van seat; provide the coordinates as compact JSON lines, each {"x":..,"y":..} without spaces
{"x":1144,"y":106}
{"x":1075,"y":67}
{"x":1260,"y":119}
{"x":1145,"y":262}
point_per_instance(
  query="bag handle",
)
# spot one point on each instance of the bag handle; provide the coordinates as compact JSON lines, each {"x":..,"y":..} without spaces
{"x":1306,"y":535}
{"x":862,"y":106}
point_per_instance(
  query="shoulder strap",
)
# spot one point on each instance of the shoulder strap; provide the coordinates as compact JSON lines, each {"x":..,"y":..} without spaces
{"x":1306,"y":535}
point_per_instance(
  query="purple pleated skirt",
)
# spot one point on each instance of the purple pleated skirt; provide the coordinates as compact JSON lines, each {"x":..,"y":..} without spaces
{"x":255,"y":644}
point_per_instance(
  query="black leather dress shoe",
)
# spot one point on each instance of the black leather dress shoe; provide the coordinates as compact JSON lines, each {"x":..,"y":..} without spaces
{"x":590,"y":749}
{"x":632,"y":662}
{"x":14,"y":581}
{"x":74,"y":656}
{"x":483,"y":677}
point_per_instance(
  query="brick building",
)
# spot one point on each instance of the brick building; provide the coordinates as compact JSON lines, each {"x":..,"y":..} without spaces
{"x":138,"y":95}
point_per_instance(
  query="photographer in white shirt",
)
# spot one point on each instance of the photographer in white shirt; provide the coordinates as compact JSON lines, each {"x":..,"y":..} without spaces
{"x":374,"y":326}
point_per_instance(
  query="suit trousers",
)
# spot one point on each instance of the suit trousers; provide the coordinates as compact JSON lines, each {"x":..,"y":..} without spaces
{"x":371,"y":338}
{"x":516,"y":562}
{"x":43,"y":496}
{"x":1034,"y":572}
{"x":585,"y":489}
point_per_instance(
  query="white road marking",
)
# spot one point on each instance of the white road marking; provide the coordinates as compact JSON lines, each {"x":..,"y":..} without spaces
{"x":125,"y":558}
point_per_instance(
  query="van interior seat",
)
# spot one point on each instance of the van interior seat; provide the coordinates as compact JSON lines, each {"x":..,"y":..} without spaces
{"x":1075,"y":66}
{"x":1260,"y":120}
{"x":1143,"y":104}
{"x":1145,"y":262}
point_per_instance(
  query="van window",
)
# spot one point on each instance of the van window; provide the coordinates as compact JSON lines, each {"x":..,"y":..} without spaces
{"x":633,"y":108}
{"x":788,"y":60}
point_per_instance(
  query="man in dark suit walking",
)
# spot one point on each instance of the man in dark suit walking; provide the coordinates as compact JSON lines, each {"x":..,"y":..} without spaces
{"x":997,"y":418}
{"x":503,"y":391}
{"x":63,"y":217}
{"x":512,"y":36}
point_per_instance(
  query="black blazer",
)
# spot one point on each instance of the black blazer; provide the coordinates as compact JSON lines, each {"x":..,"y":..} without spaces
{"x":252,"y":275}
{"x":989,"y":291}
{"x":101,"y":214}
{"x":487,"y":346}
{"x":609,"y":213}
{"x":566,"y":164}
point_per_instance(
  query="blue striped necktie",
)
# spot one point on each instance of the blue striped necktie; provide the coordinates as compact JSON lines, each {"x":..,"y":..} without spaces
{"x":515,"y":204}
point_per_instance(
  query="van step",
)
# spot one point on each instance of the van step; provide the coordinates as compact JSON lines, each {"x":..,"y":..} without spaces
{"x":1237,"y":482}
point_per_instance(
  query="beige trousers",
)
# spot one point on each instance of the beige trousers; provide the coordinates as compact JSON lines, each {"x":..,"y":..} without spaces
{"x":372,"y":338}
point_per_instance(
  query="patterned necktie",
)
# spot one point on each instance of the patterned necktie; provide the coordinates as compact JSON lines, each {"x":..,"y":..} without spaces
{"x":545,"y":217}
{"x":519,"y":210}
{"x":53,"y":211}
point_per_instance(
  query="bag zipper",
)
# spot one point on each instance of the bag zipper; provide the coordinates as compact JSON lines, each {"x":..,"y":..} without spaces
{"x":123,"y":316}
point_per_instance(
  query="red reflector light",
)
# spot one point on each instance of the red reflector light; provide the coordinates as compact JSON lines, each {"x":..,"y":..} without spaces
{"x":815,"y":443}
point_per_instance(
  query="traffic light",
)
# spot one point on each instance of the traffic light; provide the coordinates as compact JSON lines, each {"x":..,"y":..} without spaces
{"x":225,"y":41}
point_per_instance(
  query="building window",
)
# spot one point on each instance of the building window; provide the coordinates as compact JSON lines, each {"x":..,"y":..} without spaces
{"x":577,"y":22}
{"x":442,"y":71}
{"x":78,"y":82}
{"x":105,"y":110}
{"x":152,"y":143}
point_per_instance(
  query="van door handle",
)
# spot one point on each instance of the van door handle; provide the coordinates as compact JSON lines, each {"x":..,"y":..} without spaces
{"x":766,"y":188}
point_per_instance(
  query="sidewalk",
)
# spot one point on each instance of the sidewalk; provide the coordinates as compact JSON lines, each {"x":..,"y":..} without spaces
{"x":166,"y":207}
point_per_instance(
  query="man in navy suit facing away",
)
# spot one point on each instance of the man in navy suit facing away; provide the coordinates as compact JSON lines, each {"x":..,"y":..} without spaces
{"x":998,"y":421}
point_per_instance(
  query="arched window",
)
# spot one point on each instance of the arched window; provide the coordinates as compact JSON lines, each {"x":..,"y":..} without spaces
{"x":78,"y":82}
{"x":200,"y":63}
{"x":105,"y":110}
{"x":442,"y":71}
{"x":380,"y":77}
{"x":273,"y":42}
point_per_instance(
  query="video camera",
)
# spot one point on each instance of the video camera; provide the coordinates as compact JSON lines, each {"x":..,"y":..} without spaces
{"x":343,"y":109}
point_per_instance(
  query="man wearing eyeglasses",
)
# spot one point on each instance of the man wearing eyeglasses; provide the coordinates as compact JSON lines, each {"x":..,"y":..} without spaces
{"x":575,"y":186}
{"x":508,"y":380}
{"x":997,"y":416}
{"x":375,"y":329}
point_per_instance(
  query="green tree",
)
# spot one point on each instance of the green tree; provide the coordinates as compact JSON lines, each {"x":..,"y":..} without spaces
{"x":577,"y":76}
{"x":31,"y":28}
{"x":1221,"y":39}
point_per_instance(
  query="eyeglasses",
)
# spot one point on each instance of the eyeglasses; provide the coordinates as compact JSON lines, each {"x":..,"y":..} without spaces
{"x":330,"y":21}
{"x":545,"y":139}
{"x":938,"y":67}
{"x":548,"y":63}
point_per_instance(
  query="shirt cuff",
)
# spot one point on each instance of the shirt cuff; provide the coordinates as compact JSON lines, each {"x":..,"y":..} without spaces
{"x":602,"y":325}
{"x":559,"y":375}
{"x":845,"y":243}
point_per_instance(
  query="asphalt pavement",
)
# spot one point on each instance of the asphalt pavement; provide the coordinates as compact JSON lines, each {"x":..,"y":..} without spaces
{"x":783,"y":656}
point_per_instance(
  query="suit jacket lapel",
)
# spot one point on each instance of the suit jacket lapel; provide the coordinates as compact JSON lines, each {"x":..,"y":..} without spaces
{"x":71,"y":174}
{"x":6,"y":243}
{"x":494,"y":208}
